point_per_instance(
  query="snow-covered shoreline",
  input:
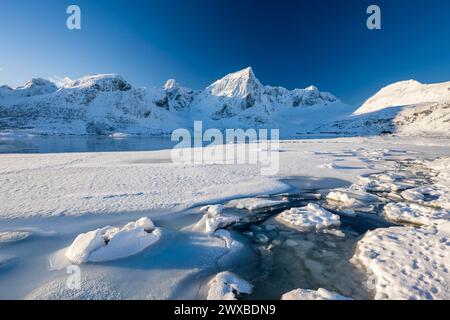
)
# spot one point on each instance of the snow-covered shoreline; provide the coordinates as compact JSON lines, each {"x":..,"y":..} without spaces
{"x":52,"y":198}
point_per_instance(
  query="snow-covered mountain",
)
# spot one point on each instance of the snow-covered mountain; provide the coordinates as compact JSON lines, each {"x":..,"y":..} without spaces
{"x":107,"y":103}
{"x":404,"y":93}
{"x":103,"y":104}
{"x":405,"y":108}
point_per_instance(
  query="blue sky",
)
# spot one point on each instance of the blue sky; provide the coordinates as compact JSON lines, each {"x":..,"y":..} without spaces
{"x":288,"y":43}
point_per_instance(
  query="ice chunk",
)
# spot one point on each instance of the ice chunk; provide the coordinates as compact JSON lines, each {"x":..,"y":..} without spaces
{"x":13,"y":236}
{"x":434,"y":196}
{"x":414,"y":213}
{"x":311,"y":217}
{"x":254,"y":203}
{"x":226,"y":285}
{"x":111,"y":243}
{"x":212,"y":209}
{"x":213,"y":219}
{"x":384,"y":182}
{"x":320,"y":294}
{"x":406,"y":262}
{"x":341,"y":197}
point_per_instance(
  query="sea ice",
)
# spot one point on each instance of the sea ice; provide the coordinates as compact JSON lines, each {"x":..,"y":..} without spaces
{"x":226,"y":285}
{"x":383,"y":182}
{"x":434,"y":196}
{"x":442,"y":168}
{"x":406,"y":262}
{"x":341,"y":197}
{"x":320,"y":294}
{"x":213,"y":219}
{"x":310,"y":217}
{"x":111,"y":243}
{"x":254,"y":203}
{"x":415,"y":213}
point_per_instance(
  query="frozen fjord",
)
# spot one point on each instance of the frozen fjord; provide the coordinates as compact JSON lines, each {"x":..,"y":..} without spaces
{"x":54,"y":197}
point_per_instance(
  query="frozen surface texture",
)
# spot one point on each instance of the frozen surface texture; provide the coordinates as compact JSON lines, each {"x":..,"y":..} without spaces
{"x":406,"y":262}
{"x":310,"y":217}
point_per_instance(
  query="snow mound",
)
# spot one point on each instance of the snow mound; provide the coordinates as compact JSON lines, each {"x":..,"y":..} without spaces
{"x":310,"y":217}
{"x":111,"y":243}
{"x":13,"y":236}
{"x":213,"y":219}
{"x":226,"y":286}
{"x":254,"y":203}
{"x":406,"y":262}
{"x":405,"y":93}
{"x":415,"y":214}
{"x":319,"y":294}
{"x":434,"y":196}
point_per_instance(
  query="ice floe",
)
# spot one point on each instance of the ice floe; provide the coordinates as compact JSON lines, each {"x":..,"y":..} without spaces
{"x":254,"y":203}
{"x":310,"y":217}
{"x":319,"y":294}
{"x":435,"y":196}
{"x":384,"y":182}
{"x":226,"y":286}
{"x":111,"y":243}
{"x":414,"y":213}
{"x":406,"y":262}
{"x":341,"y":197}
{"x":213,"y":219}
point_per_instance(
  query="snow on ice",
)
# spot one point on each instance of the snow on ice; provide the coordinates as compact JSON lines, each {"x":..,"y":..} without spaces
{"x":226,"y":286}
{"x":111,"y":243}
{"x":254,"y":203}
{"x":402,"y":212}
{"x":406,"y":262}
{"x":310,"y":217}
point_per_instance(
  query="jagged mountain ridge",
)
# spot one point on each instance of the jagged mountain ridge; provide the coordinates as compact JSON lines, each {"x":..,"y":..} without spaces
{"x":104,"y":104}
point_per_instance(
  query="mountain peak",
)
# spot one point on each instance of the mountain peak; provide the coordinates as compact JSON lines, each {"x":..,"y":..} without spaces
{"x":238,"y":84}
{"x":170,"y":84}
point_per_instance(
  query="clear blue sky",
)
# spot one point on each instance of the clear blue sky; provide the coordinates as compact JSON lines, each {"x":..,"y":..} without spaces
{"x":288,"y":43}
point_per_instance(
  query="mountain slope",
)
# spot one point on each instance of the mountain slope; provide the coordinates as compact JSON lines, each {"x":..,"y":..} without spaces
{"x":405,"y":93}
{"x":104,"y":104}
{"x":404,"y":108}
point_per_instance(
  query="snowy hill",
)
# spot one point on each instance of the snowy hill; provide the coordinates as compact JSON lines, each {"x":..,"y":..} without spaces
{"x":104,"y":104}
{"x":404,"y":108}
{"x":405,"y":93}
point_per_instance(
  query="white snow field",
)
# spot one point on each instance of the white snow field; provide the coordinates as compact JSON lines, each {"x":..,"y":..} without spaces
{"x":65,"y":200}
